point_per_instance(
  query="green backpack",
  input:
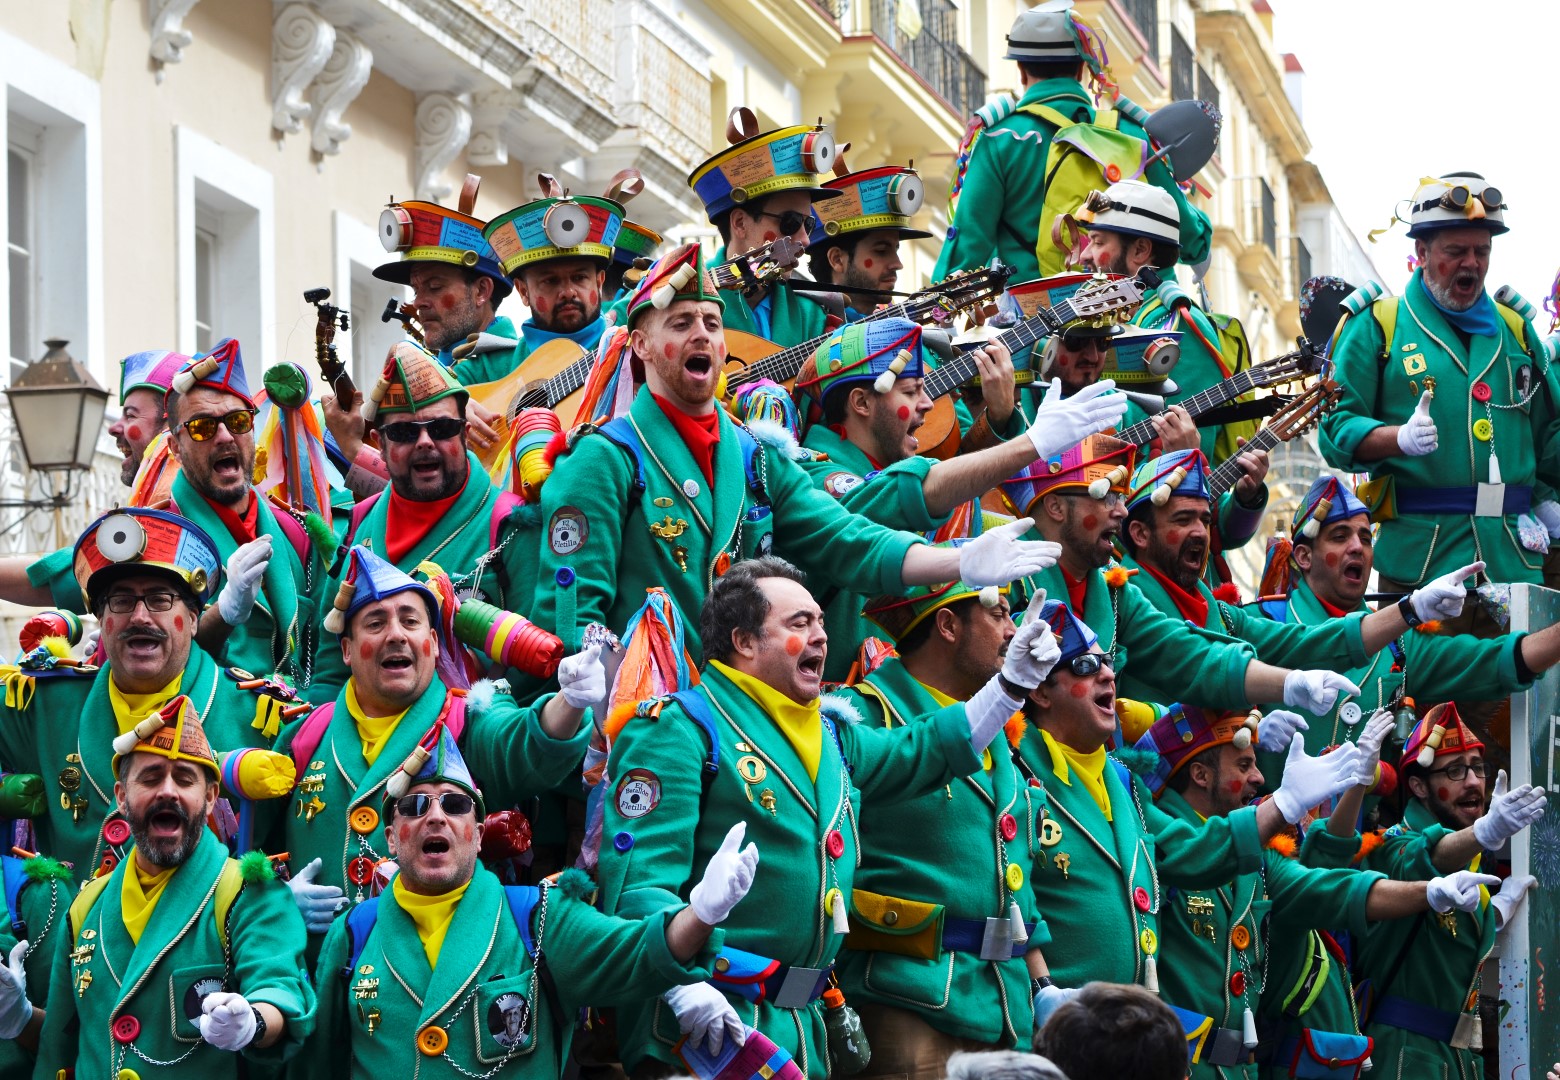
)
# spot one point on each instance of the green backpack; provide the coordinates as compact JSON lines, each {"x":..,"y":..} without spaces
{"x":1083,"y":157}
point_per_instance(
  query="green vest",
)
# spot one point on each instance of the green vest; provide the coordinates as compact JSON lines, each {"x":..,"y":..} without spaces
{"x":950,"y":851}
{"x":654,"y":847}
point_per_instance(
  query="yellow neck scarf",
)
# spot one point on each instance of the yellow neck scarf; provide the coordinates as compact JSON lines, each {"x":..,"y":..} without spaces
{"x":130,"y":709}
{"x":373,"y":730}
{"x":139,"y":895}
{"x":1089,"y":768}
{"x":943,"y":701}
{"x":430,"y":914}
{"x":800,"y":724}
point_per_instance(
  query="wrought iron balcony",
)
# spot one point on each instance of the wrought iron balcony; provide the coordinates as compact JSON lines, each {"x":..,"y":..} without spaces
{"x":1146,"y":14}
{"x":934,"y":53}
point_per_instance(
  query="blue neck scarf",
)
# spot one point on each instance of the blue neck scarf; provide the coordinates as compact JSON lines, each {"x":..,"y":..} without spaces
{"x":1480,"y":320}
{"x":585,"y":337}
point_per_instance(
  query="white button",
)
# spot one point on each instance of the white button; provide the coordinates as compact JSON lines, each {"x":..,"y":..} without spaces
{"x":1349,"y":712}
{"x":691,"y":488}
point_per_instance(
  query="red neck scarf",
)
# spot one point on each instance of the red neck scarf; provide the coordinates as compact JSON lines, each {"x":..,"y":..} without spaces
{"x":1076,"y":587}
{"x":1333,"y":612}
{"x":409,"y":521}
{"x":699,"y":434}
{"x":241,"y":526}
{"x":839,"y":429}
{"x":1192,"y":606}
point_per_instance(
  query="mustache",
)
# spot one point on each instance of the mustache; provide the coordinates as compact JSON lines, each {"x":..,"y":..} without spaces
{"x":156,"y":633}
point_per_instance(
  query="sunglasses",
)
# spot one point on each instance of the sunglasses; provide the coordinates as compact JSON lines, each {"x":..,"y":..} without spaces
{"x":453,"y":803}
{"x":125,"y":603}
{"x":238,"y":422}
{"x":1088,"y":664}
{"x":409,"y":431}
{"x":1080,"y":342}
{"x":790,"y":222}
{"x":1111,"y":500}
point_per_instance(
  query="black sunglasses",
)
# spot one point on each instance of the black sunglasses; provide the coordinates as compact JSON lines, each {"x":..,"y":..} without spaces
{"x":409,"y":431}
{"x":453,"y":803}
{"x":1079,"y":342}
{"x":1088,"y":664}
{"x":790,"y":222}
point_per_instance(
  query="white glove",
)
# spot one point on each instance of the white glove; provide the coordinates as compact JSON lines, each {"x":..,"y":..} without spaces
{"x":1311,"y":781}
{"x":1443,"y":598}
{"x":1377,"y":728}
{"x":318,"y":903}
{"x":245,"y":571}
{"x":727,"y":878}
{"x":227,"y":1021}
{"x":15,"y":1009}
{"x":1512,"y":892}
{"x":705,"y":1016}
{"x":1048,"y":1000}
{"x":1001,"y":555}
{"x":89,"y":642}
{"x":1418,"y":437}
{"x":1457,"y":892}
{"x":1062,"y":423}
{"x":1034,"y":651}
{"x":582,"y":678}
{"x":1510,"y":812}
{"x":1316,"y":692}
{"x":1548,"y":512}
{"x":1277,"y":729}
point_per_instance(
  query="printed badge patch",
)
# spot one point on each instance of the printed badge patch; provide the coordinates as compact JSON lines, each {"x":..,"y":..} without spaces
{"x":567,"y":531}
{"x":638,"y":793}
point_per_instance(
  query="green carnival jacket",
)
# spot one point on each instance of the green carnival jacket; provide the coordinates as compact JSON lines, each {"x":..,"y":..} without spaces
{"x":39,"y":912}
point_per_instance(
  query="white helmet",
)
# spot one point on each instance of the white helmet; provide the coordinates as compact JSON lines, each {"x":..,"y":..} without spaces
{"x":1459,"y":199}
{"x":1133,"y":208}
{"x":1044,"y":33}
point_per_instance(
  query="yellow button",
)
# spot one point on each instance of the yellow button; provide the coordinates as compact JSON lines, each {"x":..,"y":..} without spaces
{"x":1015,"y":876}
{"x":433,"y":1040}
{"x":1149,"y":942}
{"x":1483,"y":429}
{"x":124,"y":1074}
{"x":828,"y":901}
{"x":364,"y":820}
{"x":1240,"y":937}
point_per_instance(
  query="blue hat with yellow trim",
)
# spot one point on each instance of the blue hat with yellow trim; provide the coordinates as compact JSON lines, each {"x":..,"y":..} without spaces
{"x":220,"y":369}
{"x":1182,"y":472}
{"x":369,"y":579}
{"x":1328,"y":500}
{"x":880,"y":352}
{"x":425,"y":232}
{"x":1142,"y":360}
{"x":883,"y":198}
{"x":151,"y":370}
{"x":436,"y":759}
{"x":1072,"y":634}
{"x":135,"y":540}
{"x":556,"y":226}
{"x":763,"y":163}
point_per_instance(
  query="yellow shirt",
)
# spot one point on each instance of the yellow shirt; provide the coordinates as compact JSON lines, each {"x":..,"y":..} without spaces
{"x":139,"y":895}
{"x":430,"y":914}
{"x":374,"y":731}
{"x":130,"y":709}
{"x":1089,"y":768}
{"x":800,"y":724}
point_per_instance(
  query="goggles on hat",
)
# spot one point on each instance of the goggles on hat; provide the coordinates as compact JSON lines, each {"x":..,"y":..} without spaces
{"x":1457,"y":198}
{"x":791,"y":222}
{"x":453,"y":803}
{"x":238,"y":422}
{"x":1089,"y":663}
{"x":439,"y":429}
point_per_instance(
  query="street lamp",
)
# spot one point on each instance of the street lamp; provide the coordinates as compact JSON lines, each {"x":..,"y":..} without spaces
{"x":58,"y":407}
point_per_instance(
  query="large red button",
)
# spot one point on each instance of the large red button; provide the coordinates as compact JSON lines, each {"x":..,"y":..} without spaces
{"x":126,"y":1028}
{"x":834,"y":843}
{"x":116,"y":832}
{"x":1007,"y":826}
{"x":1481,"y":391}
{"x":1140,"y":898}
{"x":360,"y":871}
{"x":1238,"y":983}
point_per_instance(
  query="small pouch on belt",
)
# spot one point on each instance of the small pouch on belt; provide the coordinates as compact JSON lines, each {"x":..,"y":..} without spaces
{"x":1379,"y":498}
{"x":1329,"y":1055}
{"x":890,"y":924}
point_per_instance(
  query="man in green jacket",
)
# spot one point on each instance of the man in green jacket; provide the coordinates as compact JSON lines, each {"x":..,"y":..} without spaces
{"x":345,"y":752}
{"x":673,"y":493}
{"x":754,"y":742}
{"x":145,"y":575}
{"x":1004,"y":187}
{"x":1446,"y":363}
{"x":181,"y":959}
{"x":450,"y":974}
{"x":35,"y":888}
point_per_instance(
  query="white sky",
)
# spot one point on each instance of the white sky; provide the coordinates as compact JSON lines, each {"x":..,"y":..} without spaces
{"x":1399,"y":89}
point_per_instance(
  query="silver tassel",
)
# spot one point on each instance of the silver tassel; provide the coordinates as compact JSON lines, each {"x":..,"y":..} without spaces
{"x":1016,"y":924}
{"x":1150,"y":974}
{"x":841,"y":922}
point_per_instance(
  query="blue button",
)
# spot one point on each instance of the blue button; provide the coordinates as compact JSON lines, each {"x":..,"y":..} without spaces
{"x":564,"y":576}
{"x":623,"y":841}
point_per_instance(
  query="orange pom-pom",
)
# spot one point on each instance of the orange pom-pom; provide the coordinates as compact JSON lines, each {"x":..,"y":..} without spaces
{"x":1368,"y":843}
{"x":1117,"y":576}
{"x":1014,"y":729}
{"x":1429,"y":626}
{"x":1284,"y":844}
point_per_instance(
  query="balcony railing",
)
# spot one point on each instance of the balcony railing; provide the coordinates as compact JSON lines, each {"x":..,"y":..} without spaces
{"x":834,"y":9}
{"x":1183,"y":68}
{"x":934,"y":53}
{"x":1207,"y":89}
{"x":1269,"y":221}
{"x":1146,"y":14}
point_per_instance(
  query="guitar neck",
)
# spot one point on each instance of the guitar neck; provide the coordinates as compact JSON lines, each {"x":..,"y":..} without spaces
{"x":784,"y":365}
{"x":1142,"y":433}
{"x":1228,"y":472}
{"x":570,"y":379}
{"x":962,"y":369}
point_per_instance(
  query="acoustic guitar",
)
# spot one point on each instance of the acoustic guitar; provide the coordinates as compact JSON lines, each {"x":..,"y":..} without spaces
{"x":1293,"y":420}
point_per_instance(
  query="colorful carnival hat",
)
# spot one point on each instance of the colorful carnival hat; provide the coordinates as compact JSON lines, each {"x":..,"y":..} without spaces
{"x":634,"y":242}
{"x":1047,"y":32}
{"x":883,"y":198}
{"x":880,"y":352}
{"x":1133,"y":208}
{"x":1142,"y":360}
{"x":556,"y":226}
{"x":1439,"y":733}
{"x":1182,"y":472}
{"x":151,"y":370}
{"x":369,"y":579}
{"x":1457,"y":200}
{"x":434,"y":760}
{"x":1073,"y":635}
{"x":173,"y":732}
{"x":1101,"y":464}
{"x":898,"y":615}
{"x":220,"y":369}
{"x":1049,"y":292}
{"x":425,"y":232}
{"x":679,"y":275}
{"x":134,"y":540}
{"x":1184,"y":731}
{"x":763,"y":163}
{"x":412,"y":378}
{"x":1329,"y":499}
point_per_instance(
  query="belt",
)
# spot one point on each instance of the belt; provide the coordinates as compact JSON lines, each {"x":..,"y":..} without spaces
{"x":969,"y":936}
{"x":759,"y":978}
{"x":1437,"y":1024}
{"x":1209,"y":1045}
{"x":1518,"y":499}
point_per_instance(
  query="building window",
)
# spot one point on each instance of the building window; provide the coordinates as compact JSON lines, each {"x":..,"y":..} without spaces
{"x":1183,"y":68}
{"x":1207,"y":89}
{"x":1145,"y":13}
{"x":371,"y":337}
{"x":205,"y":287}
{"x":1269,"y":222}
{"x":1302,"y":264}
{"x":21,"y":243}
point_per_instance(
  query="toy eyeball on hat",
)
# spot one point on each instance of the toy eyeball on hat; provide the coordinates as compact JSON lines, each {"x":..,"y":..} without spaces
{"x":1142,"y":360}
{"x":763,"y":163}
{"x":1457,"y":200}
{"x":883,"y":198}
{"x":559,"y":226}
{"x":136,"y":540}
{"x":425,"y":232}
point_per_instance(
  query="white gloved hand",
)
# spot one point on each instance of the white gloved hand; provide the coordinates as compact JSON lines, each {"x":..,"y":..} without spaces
{"x":1548,"y":512}
{"x":15,"y":1009}
{"x":1311,"y":781}
{"x":1418,"y":437}
{"x":1377,"y":728}
{"x":1443,"y":598}
{"x":1048,"y":1000}
{"x":245,"y":572}
{"x":227,"y":1020}
{"x":1512,"y":892}
{"x":727,"y":878}
{"x":1457,"y":892}
{"x":705,"y":1016}
{"x":1062,"y":423}
{"x":582,"y":678}
{"x":317,"y":903}
{"x":1277,"y":729}
{"x":89,"y":642}
{"x":1001,"y":555}
{"x":1034,"y":650}
{"x":1316,"y":692}
{"x":1510,"y":812}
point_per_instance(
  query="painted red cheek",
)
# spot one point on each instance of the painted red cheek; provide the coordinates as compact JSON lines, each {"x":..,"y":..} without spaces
{"x":867,"y":263}
{"x":1442,"y":794}
{"x":447,"y":301}
{"x":1331,"y":558}
{"x":1173,"y":537}
{"x":133,"y":433}
{"x":1064,"y":363}
{"x":428,"y":647}
{"x":178,"y":622}
{"x":1090,"y":521}
{"x":904,"y":412}
{"x":770,"y":235}
{"x":594,"y":299}
{"x":1079,"y":689}
{"x":794,"y":645}
{"x":668,"y":350}
{"x":543,"y":304}
{"x":720,"y":350}
{"x":111,"y":625}
{"x":366,"y":651}
{"x":1235,"y":787}
{"x":467,"y":832}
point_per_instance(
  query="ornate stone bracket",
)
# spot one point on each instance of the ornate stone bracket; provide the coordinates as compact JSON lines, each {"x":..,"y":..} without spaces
{"x":489,"y":145}
{"x":443,"y":129}
{"x":169,"y":38}
{"x":338,"y":85}
{"x":301,"y":43}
